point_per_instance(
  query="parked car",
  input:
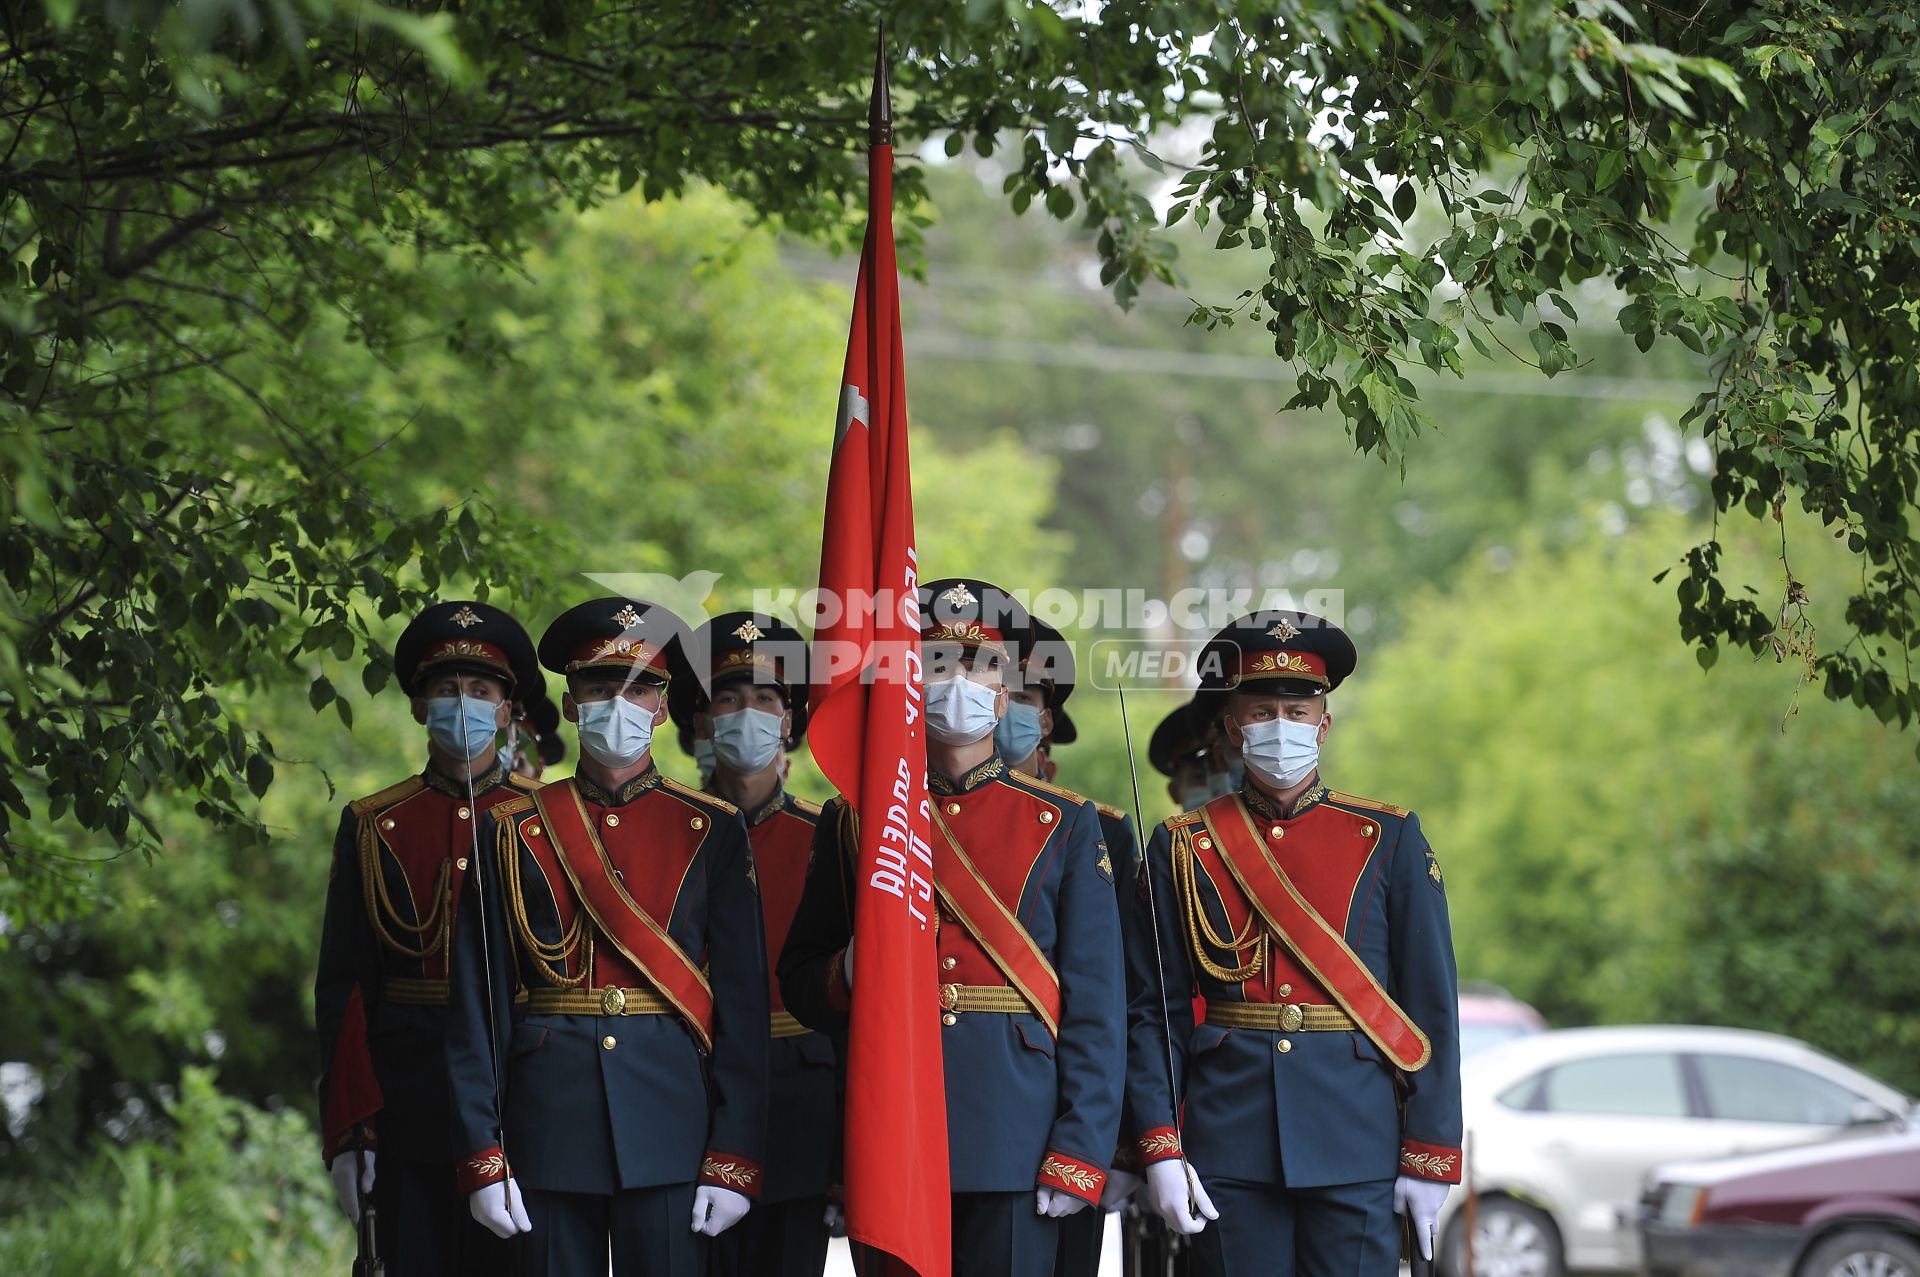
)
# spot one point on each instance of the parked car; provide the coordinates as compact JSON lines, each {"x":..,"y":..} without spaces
{"x":1489,"y":1015}
{"x":1848,"y":1207}
{"x":1563,"y":1127}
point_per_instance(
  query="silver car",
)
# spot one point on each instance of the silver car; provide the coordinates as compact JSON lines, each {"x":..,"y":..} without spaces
{"x":1563,"y":1127}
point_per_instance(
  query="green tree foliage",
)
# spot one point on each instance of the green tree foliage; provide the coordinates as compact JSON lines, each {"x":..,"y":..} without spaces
{"x":1627,"y":839}
{"x":239,"y":1191}
{"x":697,"y":439}
{"x":199,"y":201}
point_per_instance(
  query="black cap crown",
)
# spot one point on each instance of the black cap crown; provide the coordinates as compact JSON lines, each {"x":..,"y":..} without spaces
{"x":630,"y":635}
{"x":470,"y":636}
{"x":1279,"y":653}
{"x":741,"y":645}
{"x":975,"y":615}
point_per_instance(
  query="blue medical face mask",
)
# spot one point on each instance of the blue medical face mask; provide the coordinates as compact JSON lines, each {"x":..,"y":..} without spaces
{"x":615,"y":732}
{"x":703,"y":755}
{"x":463,"y":726}
{"x":746,"y":740}
{"x":959,"y":711}
{"x":1018,"y":734}
{"x":1281,"y":752}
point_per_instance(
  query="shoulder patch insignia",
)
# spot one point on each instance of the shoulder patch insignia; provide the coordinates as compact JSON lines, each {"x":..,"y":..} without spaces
{"x":1367,"y":804}
{"x":1433,"y":872}
{"x":388,"y":796}
{"x":1104,"y":865}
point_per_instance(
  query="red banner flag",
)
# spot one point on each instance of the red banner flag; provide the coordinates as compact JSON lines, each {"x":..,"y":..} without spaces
{"x":866,"y":735}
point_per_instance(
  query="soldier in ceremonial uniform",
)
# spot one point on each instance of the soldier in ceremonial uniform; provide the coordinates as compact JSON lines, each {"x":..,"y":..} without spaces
{"x":618,"y":1073}
{"x":1035,"y":722}
{"x":380,"y":992}
{"x":536,"y":743}
{"x":1178,"y":750}
{"x":1322,"y":1090}
{"x":1029,"y":954}
{"x":745,"y":691}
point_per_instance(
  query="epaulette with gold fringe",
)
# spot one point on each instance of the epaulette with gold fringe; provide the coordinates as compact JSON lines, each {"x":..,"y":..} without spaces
{"x":388,"y":796}
{"x":1369,"y":804}
{"x":1186,"y":820}
{"x":697,"y":797}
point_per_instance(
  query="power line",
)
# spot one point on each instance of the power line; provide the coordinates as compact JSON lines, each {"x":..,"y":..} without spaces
{"x":1146,"y":360}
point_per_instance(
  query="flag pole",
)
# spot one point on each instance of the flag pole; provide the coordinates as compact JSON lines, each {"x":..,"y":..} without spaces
{"x":880,"y":108}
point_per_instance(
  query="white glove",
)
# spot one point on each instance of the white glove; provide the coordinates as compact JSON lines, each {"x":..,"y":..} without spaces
{"x":345,"y":1191}
{"x":715,"y":1210}
{"x":1420,"y":1201}
{"x":1057,"y":1205}
{"x":1120,"y":1186}
{"x":498,"y":1206}
{"x":1167,"y":1193}
{"x":846,"y":964}
{"x":835,"y":1218}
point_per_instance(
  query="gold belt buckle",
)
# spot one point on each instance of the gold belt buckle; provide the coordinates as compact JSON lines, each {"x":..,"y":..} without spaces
{"x":613,"y":1001}
{"x":949,"y":997}
{"x":1291,"y":1018}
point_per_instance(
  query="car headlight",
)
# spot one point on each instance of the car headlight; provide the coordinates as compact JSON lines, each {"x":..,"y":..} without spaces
{"x":1680,"y":1204}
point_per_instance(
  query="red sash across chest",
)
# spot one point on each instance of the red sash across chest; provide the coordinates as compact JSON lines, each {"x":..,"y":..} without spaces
{"x":626,"y":867}
{"x":986,"y":847}
{"x":1252,"y":858}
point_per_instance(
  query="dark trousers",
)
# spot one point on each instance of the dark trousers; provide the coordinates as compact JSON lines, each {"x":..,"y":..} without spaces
{"x":423,"y":1227}
{"x":647,"y":1231}
{"x":1267,"y":1230}
{"x":1080,"y":1238}
{"x":776,"y":1239}
{"x":994,"y":1235}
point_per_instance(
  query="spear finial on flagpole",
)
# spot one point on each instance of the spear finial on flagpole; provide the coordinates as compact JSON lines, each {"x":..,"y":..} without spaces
{"x":880,"y":111}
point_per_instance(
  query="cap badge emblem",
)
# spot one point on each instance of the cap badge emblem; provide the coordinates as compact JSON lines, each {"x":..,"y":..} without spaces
{"x":626,"y":618}
{"x":960,"y":596}
{"x":465,"y":618}
{"x":748,"y":631}
{"x":1284,"y":631}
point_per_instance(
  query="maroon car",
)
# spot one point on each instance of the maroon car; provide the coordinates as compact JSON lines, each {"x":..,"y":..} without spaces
{"x":1847,"y":1207}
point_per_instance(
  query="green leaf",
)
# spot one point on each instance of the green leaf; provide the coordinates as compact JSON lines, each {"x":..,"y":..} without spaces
{"x":1405,"y":200}
{"x":259,"y":775}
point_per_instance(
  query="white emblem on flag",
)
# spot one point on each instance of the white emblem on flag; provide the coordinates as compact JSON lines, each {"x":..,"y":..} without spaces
{"x":853,"y":407}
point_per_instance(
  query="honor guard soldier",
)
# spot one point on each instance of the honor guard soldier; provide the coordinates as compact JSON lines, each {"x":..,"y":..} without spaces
{"x":380,"y":993}
{"x":1178,"y":750}
{"x":1322,"y":1091}
{"x":536,"y":743}
{"x":618,"y":1070}
{"x":1029,"y":954}
{"x":1035,"y":722}
{"x":745,"y":693}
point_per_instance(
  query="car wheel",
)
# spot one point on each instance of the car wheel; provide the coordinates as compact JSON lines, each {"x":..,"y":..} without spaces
{"x":1863,"y":1254}
{"x":1510,"y":1239}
